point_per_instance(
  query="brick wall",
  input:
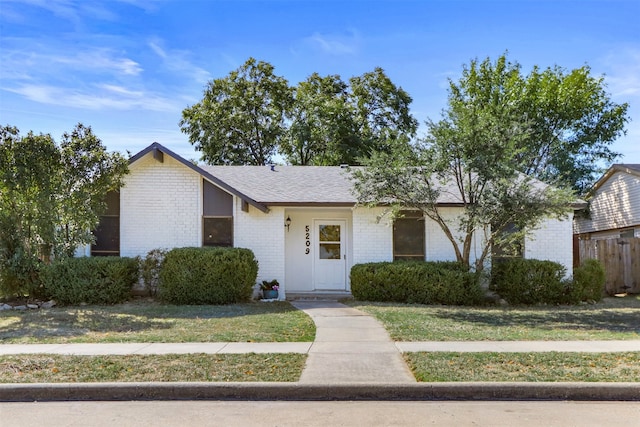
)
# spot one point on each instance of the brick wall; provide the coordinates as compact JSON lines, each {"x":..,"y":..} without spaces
{"x":552,"y":241}
{"x":160,"y":207}
{"x":372,"y":240}
{"x":263,"y":233}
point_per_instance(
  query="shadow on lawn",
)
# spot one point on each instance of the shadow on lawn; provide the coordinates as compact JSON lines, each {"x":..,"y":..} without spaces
{"x":75,"y":323}
{"x":612,"y":320}
{"x":130,"y":317}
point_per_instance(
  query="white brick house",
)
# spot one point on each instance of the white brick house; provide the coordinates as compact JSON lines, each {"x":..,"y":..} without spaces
{"x":300,"y":221}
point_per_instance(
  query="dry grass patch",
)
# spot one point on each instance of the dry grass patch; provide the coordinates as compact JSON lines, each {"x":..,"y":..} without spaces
{"x":530,"y":367}
{"x":611,"y":319}
{"x":149,"y":321}
{"x":145,"y":368}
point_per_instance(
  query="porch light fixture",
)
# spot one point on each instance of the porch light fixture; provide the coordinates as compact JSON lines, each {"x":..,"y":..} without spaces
{"x":287,"y":222}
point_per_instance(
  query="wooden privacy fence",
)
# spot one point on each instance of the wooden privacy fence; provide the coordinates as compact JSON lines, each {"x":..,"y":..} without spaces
{"x":621,"y":260}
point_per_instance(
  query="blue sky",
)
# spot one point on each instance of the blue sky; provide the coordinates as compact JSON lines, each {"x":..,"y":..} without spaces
{"x":128,"y":68}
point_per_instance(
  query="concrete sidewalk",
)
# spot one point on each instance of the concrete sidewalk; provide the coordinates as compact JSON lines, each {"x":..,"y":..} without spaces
{"x":157,"y":348}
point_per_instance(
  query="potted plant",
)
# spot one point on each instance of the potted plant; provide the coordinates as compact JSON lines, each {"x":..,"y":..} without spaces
{"x":270,"y":289}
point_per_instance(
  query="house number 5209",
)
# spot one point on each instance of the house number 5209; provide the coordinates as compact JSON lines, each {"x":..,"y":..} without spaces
{"x":307,"y":240}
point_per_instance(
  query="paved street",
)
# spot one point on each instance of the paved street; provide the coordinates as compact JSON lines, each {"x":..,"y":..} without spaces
{"x":366,"y":414}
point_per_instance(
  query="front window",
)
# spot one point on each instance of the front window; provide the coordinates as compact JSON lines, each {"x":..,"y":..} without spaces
{"x":408,"y":236}
{"x":217,"y":216}
{"x":218,"y":231}
{"x":107,"y":233}
{"x":507,"y":250}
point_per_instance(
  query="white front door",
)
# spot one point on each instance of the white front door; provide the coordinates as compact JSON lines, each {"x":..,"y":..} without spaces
{"x":329,"y":266}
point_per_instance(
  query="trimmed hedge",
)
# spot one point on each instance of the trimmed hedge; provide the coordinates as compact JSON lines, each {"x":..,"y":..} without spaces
{"x":90,"y":280}
{"x":208,"y":275}
{"x":415,"y":282}
{"x":530,"y":281}
{"x":589,"y":280}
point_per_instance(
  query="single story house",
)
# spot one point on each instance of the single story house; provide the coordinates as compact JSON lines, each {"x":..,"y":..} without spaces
{"x":614,"y":205}
{"x":301,"y":222}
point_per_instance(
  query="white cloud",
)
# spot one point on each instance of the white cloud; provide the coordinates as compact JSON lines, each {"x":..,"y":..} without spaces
{"x":97,"y":97}
{"x":177,"y":61}
{"x":335,"y":44}
{"x":34,"y":60}
{"x":623,"y":75}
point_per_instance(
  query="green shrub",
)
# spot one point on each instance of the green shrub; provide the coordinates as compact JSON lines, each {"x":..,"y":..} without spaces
{"x":91,"y":280}
{"x":150,"y":268}
{"x":19,"y":275}
{"x":415,"y":282}
{"x":208,"y":275}
{"x":530,"y":281}
{"x":589,"y":280}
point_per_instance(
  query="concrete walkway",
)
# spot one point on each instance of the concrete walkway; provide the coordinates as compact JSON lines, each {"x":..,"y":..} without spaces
{"x":350,"y":347}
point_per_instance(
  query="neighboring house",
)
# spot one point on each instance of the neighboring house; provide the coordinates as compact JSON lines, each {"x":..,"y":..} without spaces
{"x":300,"y":221}
{"x":609,"y":230}
{"x":614,"y":206}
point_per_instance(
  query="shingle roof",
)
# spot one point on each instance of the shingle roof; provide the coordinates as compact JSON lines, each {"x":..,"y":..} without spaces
{"x":633,"y":166}
{"x":288,"y":184}
{"x":261,"y":186}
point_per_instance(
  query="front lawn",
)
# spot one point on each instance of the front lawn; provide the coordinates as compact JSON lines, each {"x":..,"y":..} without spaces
{"x":529,"y":367}
{"x":611,"y":319}
{"x":148,"y":321}
{"x":48,"y":368}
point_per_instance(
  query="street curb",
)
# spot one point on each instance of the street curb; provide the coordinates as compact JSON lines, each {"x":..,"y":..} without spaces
{"x":319,"y":392}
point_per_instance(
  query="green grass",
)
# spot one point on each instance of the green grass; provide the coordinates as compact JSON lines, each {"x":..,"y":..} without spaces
{"x":146,"y":368}
{"x":611,"y":319}
{"x":148,"y":321}
{"x":529,"y":367}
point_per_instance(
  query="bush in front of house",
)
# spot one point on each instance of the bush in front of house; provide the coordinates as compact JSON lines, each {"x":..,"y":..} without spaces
{"x":208,"y":275}
{"x":530,"y":281}
{"x":90,"y":280}
{"x":415,"y":282}
{"x":150,"y":267}
{"x":589,"y":281}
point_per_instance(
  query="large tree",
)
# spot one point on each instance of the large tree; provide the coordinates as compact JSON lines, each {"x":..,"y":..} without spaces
{"x":336,"y":123}
{"x":50,"y":198}
{"x":322,"y":130}
{"x":382,"y":112}
{"x":252,"y":114}
{"x":241,"y":118}
{"x":567,"y":119}
{"x":471,"y":159}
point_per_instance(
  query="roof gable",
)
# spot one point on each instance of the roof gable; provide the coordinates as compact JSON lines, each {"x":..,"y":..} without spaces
{"x":159,"y":151}
{"x":630,"y":168}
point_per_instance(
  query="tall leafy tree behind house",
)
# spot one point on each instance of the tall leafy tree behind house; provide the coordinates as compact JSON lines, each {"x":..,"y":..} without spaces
{"x":252,"y":114}
{"x":382,"y":113}
{"x":322,"y":129}
{"x":241,"y":118}
{"x":475,"y":157}
{"x":568,"y":121}
{"x":50,"y":199}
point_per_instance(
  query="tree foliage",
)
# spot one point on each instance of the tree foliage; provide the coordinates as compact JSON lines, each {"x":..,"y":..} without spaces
{"x":50,"y":198}
{"x":322,"y":130}
{"x":241,"y":118}
{"x":565,"y":119}
{"x":252,"y":114}
{"x":472,"y":159}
